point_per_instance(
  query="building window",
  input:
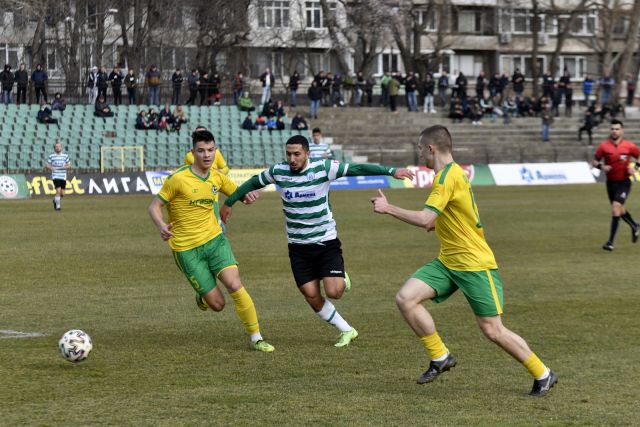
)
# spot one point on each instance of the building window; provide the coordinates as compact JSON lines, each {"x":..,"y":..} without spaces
{"x":92,"y":16}
{"x":315,"y":18}
{"x":9,"y":55}
{"x":389,"y":62}
{"x":429,"y":19}
{"x":575,"y":65}
{"x":509,"y":63}
{"x":273,"y":14}
{"x":51,"y":59}
{"x":470,"y":21}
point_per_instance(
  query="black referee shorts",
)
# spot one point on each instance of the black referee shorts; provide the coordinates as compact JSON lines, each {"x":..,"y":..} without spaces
{"x":618,"y":191}
{"x":316,"y":260}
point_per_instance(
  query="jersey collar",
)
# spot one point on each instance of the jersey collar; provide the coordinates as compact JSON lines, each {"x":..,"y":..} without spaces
{"x":198,"y":176}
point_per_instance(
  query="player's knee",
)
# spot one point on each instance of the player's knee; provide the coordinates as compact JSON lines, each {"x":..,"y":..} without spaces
{"x":492,"y":332}
{"x":334,"y":292}
{"x":403,"y":301}
{"x":217,"y":305}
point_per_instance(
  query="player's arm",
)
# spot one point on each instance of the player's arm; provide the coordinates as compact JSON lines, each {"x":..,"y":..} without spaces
{"x":246,"y":192}
{"x":48,"y":166}
{"x":425,"y":218}
{"x":368,"y":169}
{"x":155,"y":212}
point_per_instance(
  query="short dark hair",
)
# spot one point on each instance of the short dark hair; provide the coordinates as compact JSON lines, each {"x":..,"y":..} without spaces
{"x":202,"y":135}
{"x":437,"y":136}
{"x":299,"y":139}
{"x":316,"y":130}
{"x":617,"y":122}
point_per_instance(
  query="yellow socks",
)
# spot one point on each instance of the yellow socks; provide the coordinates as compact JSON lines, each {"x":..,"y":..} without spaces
{"x":535,"y":367}
{"x":246,"y":310}
{"x":434,"y":346}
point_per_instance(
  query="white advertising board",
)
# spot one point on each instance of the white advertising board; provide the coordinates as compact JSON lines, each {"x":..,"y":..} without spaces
{"x":542,"y":173}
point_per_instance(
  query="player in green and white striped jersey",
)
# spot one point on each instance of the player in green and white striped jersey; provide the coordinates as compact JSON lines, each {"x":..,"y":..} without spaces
{"x":58,"y":163}
{"x":315,"y":251}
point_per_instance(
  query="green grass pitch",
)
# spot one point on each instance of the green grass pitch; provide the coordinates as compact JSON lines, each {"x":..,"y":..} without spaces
{"x":100,"y":266}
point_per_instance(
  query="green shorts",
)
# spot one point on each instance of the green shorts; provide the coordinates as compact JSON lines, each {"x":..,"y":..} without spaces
{"x":483,"y":289}
{"x":203,"y":264}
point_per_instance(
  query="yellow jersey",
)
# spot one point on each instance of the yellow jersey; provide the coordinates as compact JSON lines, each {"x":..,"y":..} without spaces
{"x":218,"y":162}
{"x":458,"y":227}
{"x":192,"y":202}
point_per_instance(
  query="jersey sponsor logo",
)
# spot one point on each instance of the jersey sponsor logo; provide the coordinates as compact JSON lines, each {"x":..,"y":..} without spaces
{"x":299,"y":194}
{"x":201,"y":202}
{"x":529,"y":176}
{"x":311,"y":176}
{"x":624,"y":157}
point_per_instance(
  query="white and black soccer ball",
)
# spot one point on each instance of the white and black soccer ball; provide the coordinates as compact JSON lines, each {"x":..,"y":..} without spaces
{"x":75,"y":345}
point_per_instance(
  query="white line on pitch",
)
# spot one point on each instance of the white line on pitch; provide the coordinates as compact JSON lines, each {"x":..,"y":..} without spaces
{"x":9,"y":334}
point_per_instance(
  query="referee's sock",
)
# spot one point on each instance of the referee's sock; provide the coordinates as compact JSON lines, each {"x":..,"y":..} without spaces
{"x":627,"y":218}
{"x":329,"y":314}
{"x":614,"y":228}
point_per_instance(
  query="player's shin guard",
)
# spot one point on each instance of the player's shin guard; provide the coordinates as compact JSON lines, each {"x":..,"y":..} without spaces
{"x":536,"y":368}
{"x":246,"y":311}
{"x":629,"y":220}
{"x":614,"y":228}
{"x":434,"y":346}
{"x":329,"y":314}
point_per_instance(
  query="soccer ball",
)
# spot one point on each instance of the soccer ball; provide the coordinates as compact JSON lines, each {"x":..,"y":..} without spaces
{"x":75,"y":345}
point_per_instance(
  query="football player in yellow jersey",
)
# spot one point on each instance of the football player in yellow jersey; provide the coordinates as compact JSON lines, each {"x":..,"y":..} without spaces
{"x":200,"y":249}
{"x":218,"y":164}
{"x":465,"y":262}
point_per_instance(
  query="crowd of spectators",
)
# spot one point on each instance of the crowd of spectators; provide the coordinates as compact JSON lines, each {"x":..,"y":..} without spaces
{"x":164,"y":120}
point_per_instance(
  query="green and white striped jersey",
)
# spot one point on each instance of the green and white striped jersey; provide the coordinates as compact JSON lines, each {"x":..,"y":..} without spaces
{"x":305,"y":198}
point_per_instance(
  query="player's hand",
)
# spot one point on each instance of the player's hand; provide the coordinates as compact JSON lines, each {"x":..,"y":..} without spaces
{"x":380,"y":204}
{"x":606,"y":168}
{"x":225,"y":213}
{"x":430,"y":229}
{"x":251,"y":197}
{"x":165,"y":231}
{"x":403,"y":173}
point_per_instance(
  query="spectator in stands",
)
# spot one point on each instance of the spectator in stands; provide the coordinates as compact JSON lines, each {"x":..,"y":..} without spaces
{"x":631,"y":88}
{"x":131,"y":82}
{"x":142,"y":122}
{"x":555,"y":100}
{"x":179,"y":118}
{"x":299,"y":123}
{"x":247,"y":124}
{"x":410,"y":88}
{"x":568,"y":101}
{"x":504,"y":83}
{"x":102,"y":82}
{"x":246,"y":103}
{"x":238,"y":87}
{"x":589,"y":122}
{"x":166,"y":113}
{"x":102,"y":109}
{"x":267,"y":81}
{"x":176,"y":82}
{"x":271,"y":123}
{"x":348,"y":84}
{"x":481,"y":82}
{"x":153,"y":80}
{"x":453,"y":77}
{"x":509,"y":108}
{"x":547,"y":120}
{"x":428,"y":88}
{"x":39,"y":78}
{"x":194,"y":81}
{"x":606,"y":85}
{"x":393,"y":88}
{"x":116,"y":77}
{"x":336,"y":91}
{"x":494,"y":85}
{"x":22,"y":80}
{"x":213,"y":93}
{"x":476,"y":112}
{"x":280,"y":125}
{"x":92,"y":88}
{"x":563,"y":83}
{"x":318,"y":149}
{"x":269,"y":108}
{"x":326,"y":89}
{"x":58,"y":103}
{"x":279,"y":108}
{"x":163,"y":124}
{"x":617,"y":110}
{"x":587,"y":88}
{"x":315,"y":96}
{"x":462,"y":83}
{"x":7,"y":79}
{"x":153,"y":117}
{"x":203,"y":87}
{"x":443,"y":85}
{"x":358,"y":86}
{"x":45,"y":115}
{"x":261,"y":123}
{"x":547,"y":85}
{"x":456,"y":112}
{"x":488,"y":107}
{"x":368,"y":88}
{"x":294,"y":83}
{"x":518,"y":83}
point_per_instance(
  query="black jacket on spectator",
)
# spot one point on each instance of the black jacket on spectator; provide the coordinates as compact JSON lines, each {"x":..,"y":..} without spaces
{"x":101,"y":80}
{"x":39,"y":77}
{"x":7,"y":79}
{"x":116,"y":79}
{"x":294,"y":81}
{"x":22,"y":78}
{"x":314,"y":93}
{"x":177,"y":79}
